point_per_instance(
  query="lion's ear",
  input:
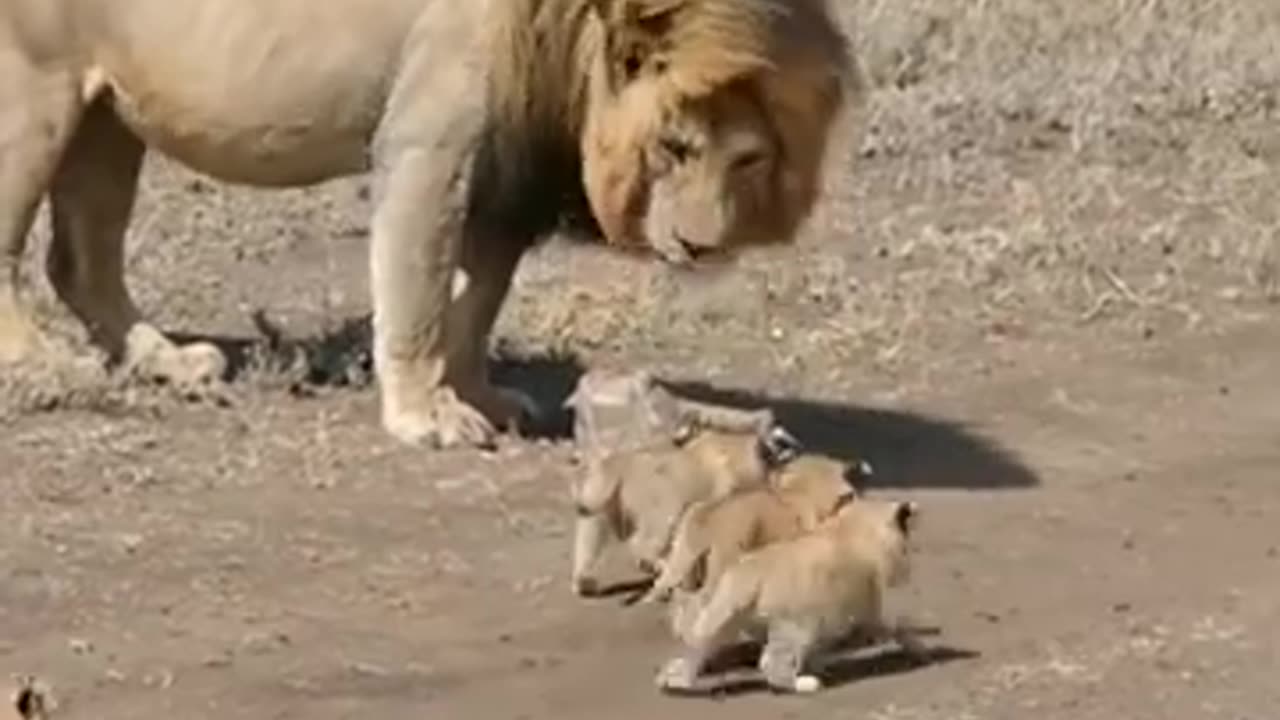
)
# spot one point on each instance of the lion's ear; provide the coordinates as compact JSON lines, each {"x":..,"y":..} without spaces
{"x":637,"y":33}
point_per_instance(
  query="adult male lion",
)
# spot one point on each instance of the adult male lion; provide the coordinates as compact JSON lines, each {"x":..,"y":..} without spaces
{"x":691,"y":128}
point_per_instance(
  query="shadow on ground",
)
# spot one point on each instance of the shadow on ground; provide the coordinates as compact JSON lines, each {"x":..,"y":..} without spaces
{"x":733,"y":672}
{"x":905,"y":449}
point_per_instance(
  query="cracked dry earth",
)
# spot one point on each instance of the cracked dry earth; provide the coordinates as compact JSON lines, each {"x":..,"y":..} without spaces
{"x":1070,"y":359}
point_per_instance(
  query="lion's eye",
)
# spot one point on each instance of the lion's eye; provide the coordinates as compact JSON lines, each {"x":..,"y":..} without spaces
{"x":748,"y":159}
{"x":631,"y":66}
{"x":676,"y":148}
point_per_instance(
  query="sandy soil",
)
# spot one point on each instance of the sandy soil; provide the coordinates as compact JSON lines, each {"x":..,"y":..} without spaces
{"x":1041,"y":298}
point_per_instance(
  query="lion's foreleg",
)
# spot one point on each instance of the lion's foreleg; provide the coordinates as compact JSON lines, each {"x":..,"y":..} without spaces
{"x":489,"y":259}
{"x":423,"y":155}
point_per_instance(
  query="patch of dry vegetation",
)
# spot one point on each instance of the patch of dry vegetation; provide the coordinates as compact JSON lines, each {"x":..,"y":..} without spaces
{"x":1028,"y":169}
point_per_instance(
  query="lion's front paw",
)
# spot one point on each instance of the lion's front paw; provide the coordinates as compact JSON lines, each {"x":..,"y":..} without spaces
{"x":506,"y":408}
{"x":439,"y":420}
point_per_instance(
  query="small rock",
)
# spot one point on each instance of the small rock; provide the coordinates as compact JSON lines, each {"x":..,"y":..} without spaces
{"x":161,"y":679}
{"x":80,"y":646}
{"x":130,"y":542}
{"x":263,"y":643}
{"x":222,"y":659}
{"x":1121,"y":607}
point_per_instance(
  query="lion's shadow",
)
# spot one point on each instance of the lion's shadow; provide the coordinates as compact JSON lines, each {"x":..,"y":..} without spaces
{"x":905,"y":449}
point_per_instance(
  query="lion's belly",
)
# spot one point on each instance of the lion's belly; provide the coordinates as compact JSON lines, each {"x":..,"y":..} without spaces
{"x":268,"y":152}
{"x":275,"y":93}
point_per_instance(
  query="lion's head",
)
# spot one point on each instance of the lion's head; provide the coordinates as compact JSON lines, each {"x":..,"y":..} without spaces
{"x":707,"y":121}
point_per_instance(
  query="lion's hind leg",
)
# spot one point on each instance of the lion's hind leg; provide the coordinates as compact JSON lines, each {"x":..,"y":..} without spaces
{"x":39,"y":111}
{"x":91,"y":198}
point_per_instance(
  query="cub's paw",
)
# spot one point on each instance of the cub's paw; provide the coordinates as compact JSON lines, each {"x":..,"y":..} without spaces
{"x":439,"y":419}
{"x":656,"y":596}
{"x":678,"y":675}
{"x":798,"y":685}
{"x":805,"y":684}
{"x":585,"y":587}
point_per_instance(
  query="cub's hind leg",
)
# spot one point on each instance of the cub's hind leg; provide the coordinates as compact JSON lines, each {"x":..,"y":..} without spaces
{"x":785,"y":655}
{"x":39,"y":110}
{"x":714,"y":625}
{"x":92,"y":196}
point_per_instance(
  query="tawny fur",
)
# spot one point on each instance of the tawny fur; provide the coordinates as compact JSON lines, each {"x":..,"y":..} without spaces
{"x":637,"y":496}
{"x":685,"y":128}
{"x":714,"y":533}
{"x":615,"y":410}
{"x":804,"y":593}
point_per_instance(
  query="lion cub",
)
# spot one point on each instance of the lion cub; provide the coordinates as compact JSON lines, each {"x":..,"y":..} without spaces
{"x":804,"y":593}
{"x":638,"y":495}
{"x":801,"y":494}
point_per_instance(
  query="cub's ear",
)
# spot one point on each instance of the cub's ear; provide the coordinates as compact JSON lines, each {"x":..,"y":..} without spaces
{"x":778,"y":447}
{"x":684,"y":431}
{"x":906,"y":516}
{"x":857,"y":473}
{"x":636,"y":34}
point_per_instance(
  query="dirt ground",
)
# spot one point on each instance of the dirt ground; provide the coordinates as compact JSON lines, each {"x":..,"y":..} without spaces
{"x":1041,"y":298}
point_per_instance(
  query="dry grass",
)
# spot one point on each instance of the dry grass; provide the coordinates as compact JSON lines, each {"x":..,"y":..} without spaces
{"x":1028,"y":168}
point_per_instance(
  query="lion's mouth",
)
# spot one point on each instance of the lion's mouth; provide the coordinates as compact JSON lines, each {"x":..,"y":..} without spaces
{"x":679,"y":252}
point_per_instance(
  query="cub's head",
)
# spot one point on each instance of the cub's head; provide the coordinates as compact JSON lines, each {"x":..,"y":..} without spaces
{"x":707,"y":121}
{"x":883,"y":530}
